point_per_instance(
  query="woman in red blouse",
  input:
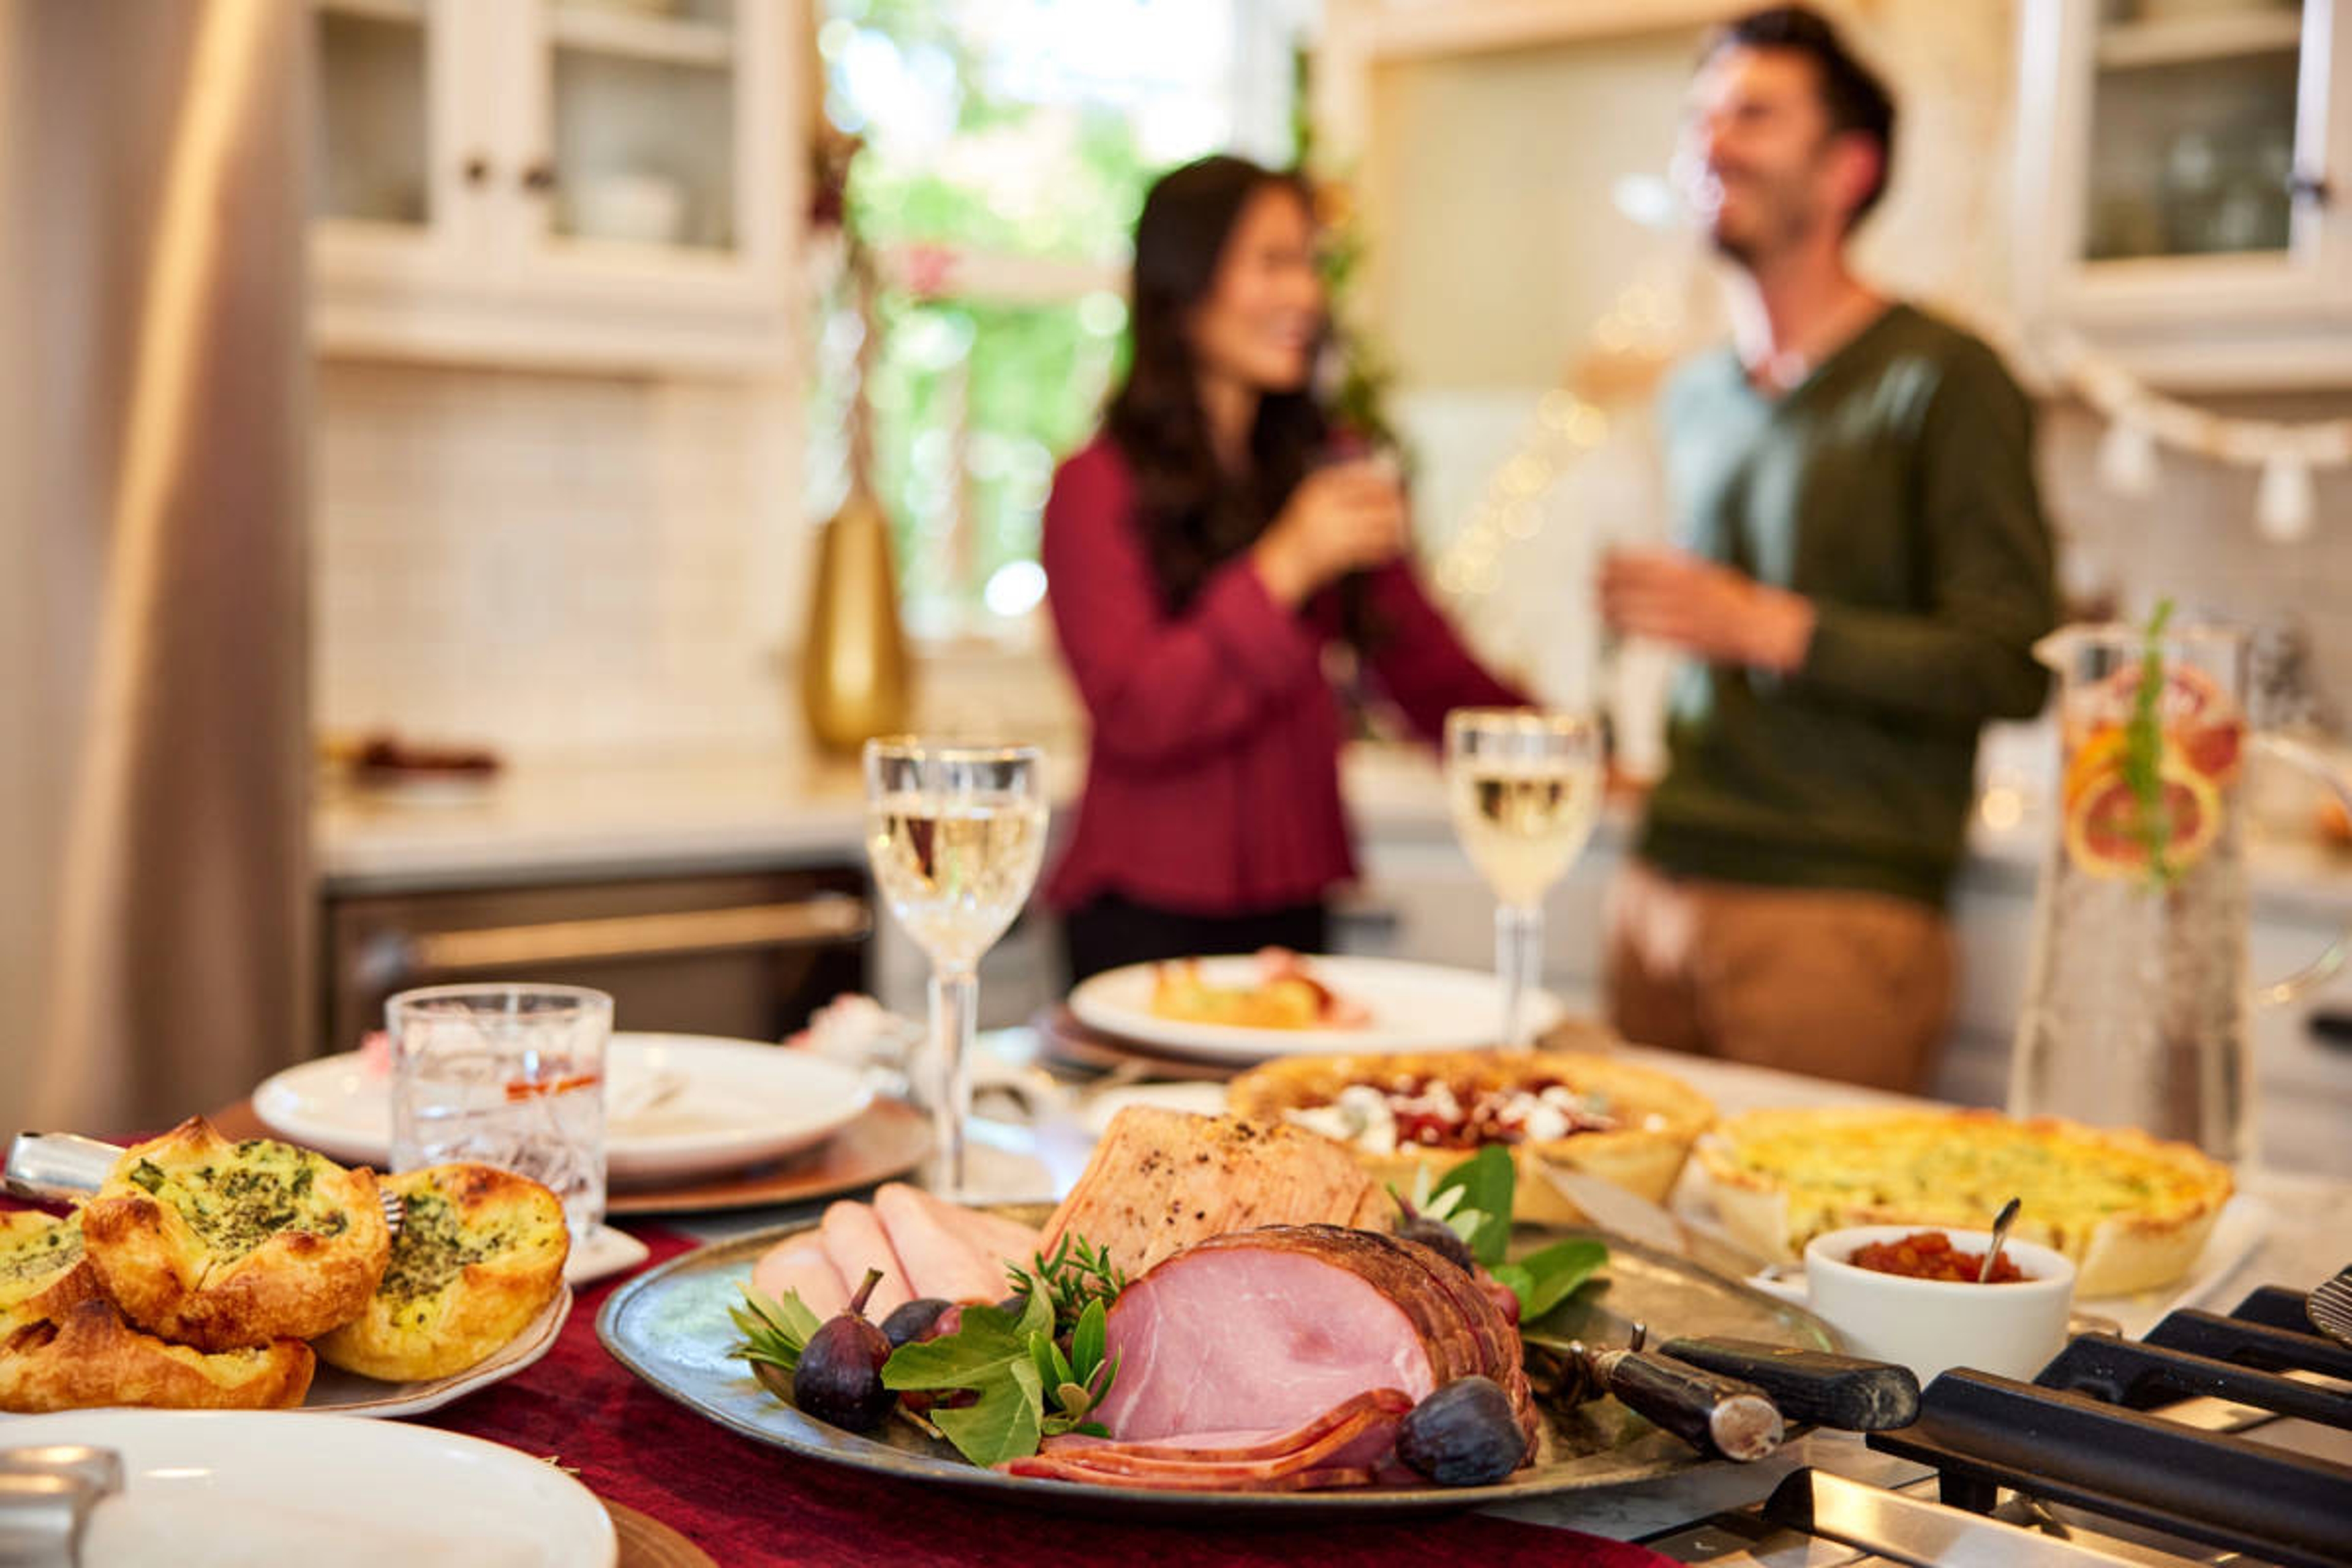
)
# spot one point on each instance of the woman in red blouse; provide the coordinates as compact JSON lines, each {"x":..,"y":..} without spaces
{"x":1202,"y":553}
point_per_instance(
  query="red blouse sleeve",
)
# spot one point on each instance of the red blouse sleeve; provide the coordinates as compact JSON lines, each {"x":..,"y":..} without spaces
{"x":1418,"y":661}
{"x":1159,"y":688}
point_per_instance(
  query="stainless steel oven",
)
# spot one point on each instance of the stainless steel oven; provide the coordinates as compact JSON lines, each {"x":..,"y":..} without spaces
{"x":747,"y":954}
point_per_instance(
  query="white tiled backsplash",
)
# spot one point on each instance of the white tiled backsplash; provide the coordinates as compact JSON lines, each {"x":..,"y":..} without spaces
{"x":555,"y":564}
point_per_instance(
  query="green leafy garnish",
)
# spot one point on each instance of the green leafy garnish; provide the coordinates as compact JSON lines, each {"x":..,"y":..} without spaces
{"x":2143,"y":761}
{"x":1542,"y":1281}
{"x":148,"y":1174}
{"x":1073,"y":1276}
{"x":1481,"y":1214}
{"x":1029,"y":1388}
{"x":775,"y":1330}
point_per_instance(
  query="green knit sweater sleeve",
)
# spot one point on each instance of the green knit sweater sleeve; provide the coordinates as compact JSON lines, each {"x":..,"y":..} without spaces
{"x":1969,"y":657}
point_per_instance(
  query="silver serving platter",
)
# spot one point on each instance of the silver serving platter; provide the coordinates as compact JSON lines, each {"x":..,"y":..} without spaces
{"x":670,"y":1327}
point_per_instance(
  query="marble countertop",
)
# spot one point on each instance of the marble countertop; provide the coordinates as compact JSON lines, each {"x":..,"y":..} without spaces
{"x":719,"y":811}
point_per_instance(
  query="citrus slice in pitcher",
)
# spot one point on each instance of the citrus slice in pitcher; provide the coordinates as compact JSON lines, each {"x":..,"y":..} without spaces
{"x":2104,"y":832}
{"x":2197,"y":716}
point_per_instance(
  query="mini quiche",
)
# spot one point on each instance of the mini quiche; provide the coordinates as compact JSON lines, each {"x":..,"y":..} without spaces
{"x":480,"y":1254}
{"x":2131,"y":1212}
{"x":225,"y":1246}
{"x":41,"y":1266}
{"x":1401,"y":1113}
{"x":64,"y":1346}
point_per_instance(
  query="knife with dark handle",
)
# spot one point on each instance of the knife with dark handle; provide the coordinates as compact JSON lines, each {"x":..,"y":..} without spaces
{"x":1716,"y":1415}
{"x":1847,"y":1392}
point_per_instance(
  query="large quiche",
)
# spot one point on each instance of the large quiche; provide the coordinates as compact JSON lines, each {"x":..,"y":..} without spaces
{"x":1403,"y":1113}
{"x":2130,"y":1211}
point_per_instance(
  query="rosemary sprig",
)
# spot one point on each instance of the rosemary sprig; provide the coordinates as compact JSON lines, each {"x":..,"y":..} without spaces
{"x":2143,"y":760}
{"x":1073,"y":1277}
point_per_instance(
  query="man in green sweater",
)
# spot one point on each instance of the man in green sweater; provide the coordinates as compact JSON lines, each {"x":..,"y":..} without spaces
{"x":1863,"y":568}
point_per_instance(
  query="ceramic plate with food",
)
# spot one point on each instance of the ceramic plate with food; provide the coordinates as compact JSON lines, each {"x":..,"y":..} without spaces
{"x":678,"y":1106}
{"x":1402,"y":1113}
{"x":1369,"y":1004}
{"x":2131,"y":1212}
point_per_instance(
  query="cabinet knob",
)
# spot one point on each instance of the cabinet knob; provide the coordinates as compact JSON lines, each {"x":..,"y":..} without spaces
{"x":539,"y":177}
{"x":476,"y":168}
{"x":2311,"y":188}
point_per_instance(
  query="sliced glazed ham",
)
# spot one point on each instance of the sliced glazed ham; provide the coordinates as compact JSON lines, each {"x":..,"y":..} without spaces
{"x":799,"y":1264}
{"x":934,"y":1246}
{"x":1347,"y":1446}
{"x":1277,"y":1327}
{"x":855,"y":1242}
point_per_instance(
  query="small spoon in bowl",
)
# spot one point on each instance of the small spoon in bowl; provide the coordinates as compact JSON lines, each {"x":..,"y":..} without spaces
{"x":2001,"y":1224}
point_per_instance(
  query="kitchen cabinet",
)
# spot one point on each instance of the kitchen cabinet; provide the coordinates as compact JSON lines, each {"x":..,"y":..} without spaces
{"x":2183,"y":185}
{"x":607,"y":184}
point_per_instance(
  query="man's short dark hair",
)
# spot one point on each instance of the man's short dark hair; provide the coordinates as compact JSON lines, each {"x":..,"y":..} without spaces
{"x":1857,"y":101}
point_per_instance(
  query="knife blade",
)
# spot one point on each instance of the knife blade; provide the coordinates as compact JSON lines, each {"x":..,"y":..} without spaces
{"x":1629,"y":1214}
{"x":1906,"y":1529}
{"x":1848,"y":1393}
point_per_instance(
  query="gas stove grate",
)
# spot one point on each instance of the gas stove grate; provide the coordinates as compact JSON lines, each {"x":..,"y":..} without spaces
{"x":2082,"y":1436}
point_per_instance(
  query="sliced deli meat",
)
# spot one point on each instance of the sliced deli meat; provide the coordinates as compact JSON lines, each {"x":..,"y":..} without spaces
{"x":798,"y":1263}
{"x":1275,"y":1327}
{"x":855,"y":1242}
{"x":932,"y":1245}
{"x":1161,"y":1180}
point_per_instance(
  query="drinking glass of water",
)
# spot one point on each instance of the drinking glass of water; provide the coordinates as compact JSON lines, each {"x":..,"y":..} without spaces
{"x":955,"y":832}
{"x":505,"y":1075}
{"x":1524,"y":786}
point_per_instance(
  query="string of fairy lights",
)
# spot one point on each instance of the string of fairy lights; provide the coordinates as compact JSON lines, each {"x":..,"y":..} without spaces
{"x":2142,"y":424}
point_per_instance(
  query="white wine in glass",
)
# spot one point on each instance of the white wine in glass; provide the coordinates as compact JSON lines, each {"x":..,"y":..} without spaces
{"x":1524,"y":786}
{"x":955,"y":833}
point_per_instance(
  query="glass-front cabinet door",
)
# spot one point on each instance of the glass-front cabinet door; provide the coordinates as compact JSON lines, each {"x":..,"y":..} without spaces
{"x":388,"y":182}
{"x":2188,"y":146}
{"x":643,"y":157}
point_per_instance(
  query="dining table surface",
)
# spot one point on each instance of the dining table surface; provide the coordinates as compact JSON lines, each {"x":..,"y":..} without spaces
{"x":685,"y":1490}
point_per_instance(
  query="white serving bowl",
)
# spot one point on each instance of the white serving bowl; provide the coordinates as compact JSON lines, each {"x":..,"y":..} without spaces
{"x":1930,"y":1325}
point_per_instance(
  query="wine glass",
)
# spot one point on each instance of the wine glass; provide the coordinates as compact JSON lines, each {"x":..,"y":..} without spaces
{"x":955,"y":832}
{"x":1524,"y":789}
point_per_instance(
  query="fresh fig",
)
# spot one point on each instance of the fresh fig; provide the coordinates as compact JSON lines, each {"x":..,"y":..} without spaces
{"x":916,"y":1320}
{"x":1433,"y":1234}
{"x":1464,"y":1434}
{"x":839,"y":1378}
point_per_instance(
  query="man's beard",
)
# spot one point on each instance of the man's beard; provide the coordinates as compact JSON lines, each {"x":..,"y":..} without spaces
{"x":1779,"y":221}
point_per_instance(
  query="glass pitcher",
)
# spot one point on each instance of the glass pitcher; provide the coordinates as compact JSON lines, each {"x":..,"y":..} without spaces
{"x":2138,"y":1002}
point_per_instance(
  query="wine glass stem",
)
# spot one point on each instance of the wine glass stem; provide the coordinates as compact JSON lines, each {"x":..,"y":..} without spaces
{"x":955,"y":1021}
{"x":1518,"y":962}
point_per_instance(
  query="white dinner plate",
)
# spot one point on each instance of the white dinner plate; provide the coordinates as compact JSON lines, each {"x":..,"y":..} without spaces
{"x":716,"y":1105}
{"x":1413,"y":1008}
{"x":336,"y":1392}
{"x":263,"y":1490}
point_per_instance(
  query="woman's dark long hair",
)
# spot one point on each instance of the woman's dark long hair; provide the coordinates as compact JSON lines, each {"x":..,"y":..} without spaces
{"x":1195,"y":515}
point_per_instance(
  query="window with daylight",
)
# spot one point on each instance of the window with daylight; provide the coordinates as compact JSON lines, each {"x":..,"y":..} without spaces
{"x":1007,"y":145}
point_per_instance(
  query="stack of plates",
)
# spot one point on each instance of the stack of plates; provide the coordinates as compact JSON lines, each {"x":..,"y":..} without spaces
{"x":698,"y":1122}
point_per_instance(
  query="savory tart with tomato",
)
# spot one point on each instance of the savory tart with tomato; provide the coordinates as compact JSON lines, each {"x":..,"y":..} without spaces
{"x":1286,"y":995}
{"x":1402,"y":1113}
{"x":223,"y":1246}
{"x":480,"y":1252}
{"x":2130,"y":1211}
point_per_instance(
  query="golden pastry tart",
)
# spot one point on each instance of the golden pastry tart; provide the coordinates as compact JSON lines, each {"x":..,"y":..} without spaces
{"x":223,"y":1246}
{"x":1285,"y":995}
{"x":41,"y":1266}
{"x":68,"y":1348}
{"x":480,"y":1254}
{"x":2130,"y":1211}
{"x":1403,"y":1113}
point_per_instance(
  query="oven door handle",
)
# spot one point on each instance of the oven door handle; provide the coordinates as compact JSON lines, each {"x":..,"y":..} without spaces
{"x":823,"y":919}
